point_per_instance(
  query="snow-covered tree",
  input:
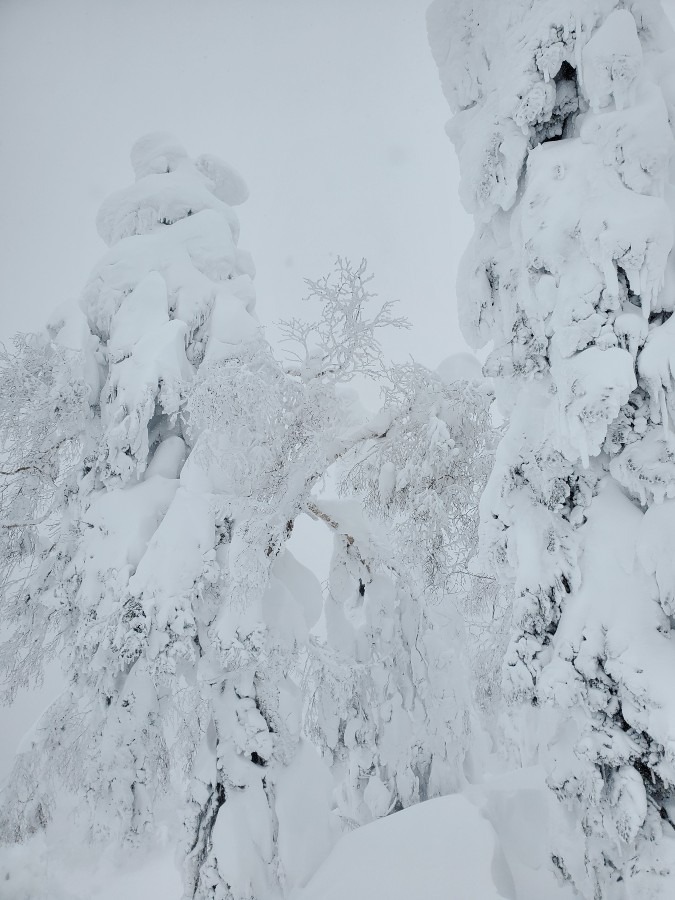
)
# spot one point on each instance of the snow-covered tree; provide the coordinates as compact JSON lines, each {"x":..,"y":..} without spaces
{"x":563,"y":127}
{"x":265,"y":435}
{"x":175,"y":617}
{"x":44,"y":415}
{"x":387,"y":693}
{"x":392,"y":708}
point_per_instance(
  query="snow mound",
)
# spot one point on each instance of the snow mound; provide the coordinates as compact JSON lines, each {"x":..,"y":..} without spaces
{"x":442,"y":849}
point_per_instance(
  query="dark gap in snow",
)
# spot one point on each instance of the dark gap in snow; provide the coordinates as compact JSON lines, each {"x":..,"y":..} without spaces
{"x":160,"y":427}
{"x":259,"y":705}
{"x":206,"y":820}
{"x":659,"y":318}
{"x":223,"y":532}
{"x":561,"y":123}
{"x":561,"y":867}
{"x":658,"y":793}
{"x":624,"y":283}
{"x":492,"y":276}
{"x":566,"y":72}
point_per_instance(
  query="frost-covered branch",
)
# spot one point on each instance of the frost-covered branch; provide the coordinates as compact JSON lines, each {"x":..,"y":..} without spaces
{"x":44,"y":416}
{"x":344,"y":342}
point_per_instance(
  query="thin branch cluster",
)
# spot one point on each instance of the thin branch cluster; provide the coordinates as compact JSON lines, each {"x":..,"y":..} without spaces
{"x":344,"y":342}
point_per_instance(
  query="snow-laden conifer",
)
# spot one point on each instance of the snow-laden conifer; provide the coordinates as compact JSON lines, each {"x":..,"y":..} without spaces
{"x":562,"y":124}
{"x":166,"y":587}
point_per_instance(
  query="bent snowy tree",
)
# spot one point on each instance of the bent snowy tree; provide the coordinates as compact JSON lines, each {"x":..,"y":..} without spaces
{"x":391,"y":705}
{"x":563,"y":127}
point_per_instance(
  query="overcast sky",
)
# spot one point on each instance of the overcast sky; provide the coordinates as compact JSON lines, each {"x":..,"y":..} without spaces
{"x":331,"y":109}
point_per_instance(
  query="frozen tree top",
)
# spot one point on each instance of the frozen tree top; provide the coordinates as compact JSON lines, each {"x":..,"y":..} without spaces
{"x":175,"y":225}
{"x":169,"y":186}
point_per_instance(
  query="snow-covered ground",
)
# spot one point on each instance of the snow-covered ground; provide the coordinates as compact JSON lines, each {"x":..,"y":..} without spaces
{"x":488,"y":843}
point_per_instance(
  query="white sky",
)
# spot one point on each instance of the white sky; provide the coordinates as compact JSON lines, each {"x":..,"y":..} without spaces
{"x":331,"y":109}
